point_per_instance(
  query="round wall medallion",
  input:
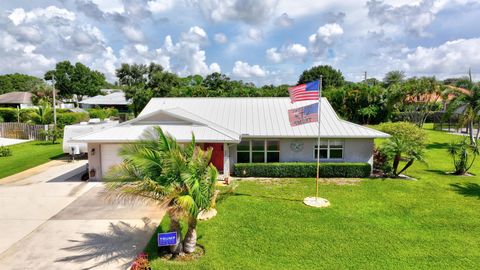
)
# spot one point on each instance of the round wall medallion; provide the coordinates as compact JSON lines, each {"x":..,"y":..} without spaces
{"x":296,"y":146}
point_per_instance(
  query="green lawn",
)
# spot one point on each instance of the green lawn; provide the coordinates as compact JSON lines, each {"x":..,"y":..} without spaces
{"x":28,"y":155}
{"x":432,"y":223}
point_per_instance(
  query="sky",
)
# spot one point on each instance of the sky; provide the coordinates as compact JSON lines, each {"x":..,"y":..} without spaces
{"x":264,"y":42}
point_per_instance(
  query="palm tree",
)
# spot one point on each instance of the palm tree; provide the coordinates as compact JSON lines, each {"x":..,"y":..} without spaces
{"x":463,"y":155}
{"x":177,"y":176}
{"x":43,"y":115}
{"x":469,"y":104}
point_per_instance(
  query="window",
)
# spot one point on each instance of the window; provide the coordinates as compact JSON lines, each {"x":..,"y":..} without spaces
{"x":258,"y":151}
{"x":273,"y":151}
{"x":243,"y":152}
{"x":329,"y":149}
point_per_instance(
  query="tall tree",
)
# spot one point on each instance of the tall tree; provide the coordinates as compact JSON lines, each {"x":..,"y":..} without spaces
{"x":76,"y":79}
{"x":143,"y":82}
{"x":394,"y":77}
{"x":468,"y":105}
{"x":331,"y":77}
{"x":18,"y":83}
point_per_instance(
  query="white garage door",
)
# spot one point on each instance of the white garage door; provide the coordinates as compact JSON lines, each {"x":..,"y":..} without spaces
{"x":110,"y":156}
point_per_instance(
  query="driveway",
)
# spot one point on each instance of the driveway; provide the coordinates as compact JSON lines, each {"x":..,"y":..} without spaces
{"x":6,"y":142}
{"x":49,"y":219}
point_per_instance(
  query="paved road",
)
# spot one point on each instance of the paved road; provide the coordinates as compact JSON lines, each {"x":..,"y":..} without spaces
{"x":49,"y":223}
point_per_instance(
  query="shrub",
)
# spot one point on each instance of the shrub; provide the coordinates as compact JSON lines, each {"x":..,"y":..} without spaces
{"x":8,"y":114}
{"x":71,"y":118}
{"x":102,"y":113}
{"x":301,"y":169}
{"x":5,"y":151}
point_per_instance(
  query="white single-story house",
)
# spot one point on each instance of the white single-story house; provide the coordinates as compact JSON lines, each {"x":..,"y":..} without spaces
{"x":22,"y":100}
{"x":111,"y":99}
{"x":239,"y":130}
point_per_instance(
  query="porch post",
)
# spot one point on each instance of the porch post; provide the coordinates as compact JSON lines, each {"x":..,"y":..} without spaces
{"x":226,"y":161}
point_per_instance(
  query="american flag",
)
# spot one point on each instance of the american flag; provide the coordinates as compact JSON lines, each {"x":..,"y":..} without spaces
{"x":306,"y":91}
{"x":303,"y":115}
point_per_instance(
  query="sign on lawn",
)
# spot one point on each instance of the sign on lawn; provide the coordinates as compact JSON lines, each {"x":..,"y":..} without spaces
{"x":167,"y":239}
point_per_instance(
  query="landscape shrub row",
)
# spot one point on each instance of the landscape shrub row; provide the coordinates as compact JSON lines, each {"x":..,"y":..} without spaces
{"x":102,"y":113}
{"x":301,"y":169}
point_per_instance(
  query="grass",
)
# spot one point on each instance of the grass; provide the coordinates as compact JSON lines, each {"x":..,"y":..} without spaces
{"x":432,"y":223}
{"x":28,"y":155}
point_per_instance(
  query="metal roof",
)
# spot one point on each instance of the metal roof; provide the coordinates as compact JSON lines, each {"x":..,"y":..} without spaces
{"x":262,"y":117}
{"x":16,"y":98}
{"x":115,"y":98}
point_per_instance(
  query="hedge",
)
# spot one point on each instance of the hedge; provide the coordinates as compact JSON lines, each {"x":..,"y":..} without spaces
{"x":8,"y":114}
{"x":71,"y":118}
{"x":301,"y":169}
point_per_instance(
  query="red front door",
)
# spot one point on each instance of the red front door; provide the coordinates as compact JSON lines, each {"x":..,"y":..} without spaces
{"x":217,"y":155}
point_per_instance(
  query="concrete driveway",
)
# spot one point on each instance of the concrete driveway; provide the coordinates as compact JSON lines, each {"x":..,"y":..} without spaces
{"x":49,"y":219}
{"x":6,"y":142}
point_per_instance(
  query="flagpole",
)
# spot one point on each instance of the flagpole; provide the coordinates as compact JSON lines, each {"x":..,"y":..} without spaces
{"x":318,"y":138}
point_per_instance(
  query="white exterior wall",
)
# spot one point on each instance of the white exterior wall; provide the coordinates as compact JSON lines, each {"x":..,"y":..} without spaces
{"x":106,"y":155}
{"x":354,"y":150}
{"x":94,"y":161}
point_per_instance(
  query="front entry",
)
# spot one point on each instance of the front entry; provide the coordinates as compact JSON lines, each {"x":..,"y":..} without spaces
{"x":217,"y":155}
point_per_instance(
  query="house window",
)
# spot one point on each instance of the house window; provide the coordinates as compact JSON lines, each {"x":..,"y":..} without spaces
{"x":273,"y":151}
{"x":329,"y":149}
{"x":258,"y":151}
{"x":243,"y":152}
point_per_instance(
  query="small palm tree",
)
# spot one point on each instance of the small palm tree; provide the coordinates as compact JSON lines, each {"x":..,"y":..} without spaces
{"x":463,"y":155}
{"x":177,"y":176}
{"x":43,"y":115}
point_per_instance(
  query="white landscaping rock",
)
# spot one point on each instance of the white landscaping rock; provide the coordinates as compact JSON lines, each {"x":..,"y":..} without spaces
{"x":204,"y":215}
{"x":316,"y":202}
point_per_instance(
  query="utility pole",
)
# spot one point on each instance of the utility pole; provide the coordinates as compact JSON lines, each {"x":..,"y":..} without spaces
{"x":470,"y":74}
{"x":54,"y":103}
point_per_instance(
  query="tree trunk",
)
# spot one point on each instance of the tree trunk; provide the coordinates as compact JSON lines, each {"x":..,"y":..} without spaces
{"x":472,"y":138}
{"x":396,"y":161}
{"x":176,"y":227}
{"x":478,"y":131}
{"x":409,"y":163}
{"x":191,"y":237}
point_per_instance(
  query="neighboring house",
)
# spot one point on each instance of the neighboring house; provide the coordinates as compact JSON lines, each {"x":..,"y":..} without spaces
{"x":16,"y":99}
{"x":113,"y":100}
{"x":238,"y":130}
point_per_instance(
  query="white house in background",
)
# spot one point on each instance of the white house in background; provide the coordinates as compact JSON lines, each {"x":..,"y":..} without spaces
{"x":21,"y":100}
{"x":113,"y":99}
{"x":238,"y":130}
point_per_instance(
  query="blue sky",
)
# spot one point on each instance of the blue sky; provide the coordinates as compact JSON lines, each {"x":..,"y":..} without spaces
{"x":265,"y":42}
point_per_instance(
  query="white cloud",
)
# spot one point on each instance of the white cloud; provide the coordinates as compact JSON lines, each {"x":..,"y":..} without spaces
{"x":255,"y":34}
{"x":324,"y":37}
{"x":452,"y":57}
{"x":244,"y":70}
{"x":413,"y":17}
{"x":247,"y":11}
{"x":133,"y":33}
{"x":157,"y":6}
{"x":220,"y":38}
{"x":19,"y":16}
{"x":283,"y":20}
{"x":110,"y":6}
{"x":293,"y":51}
{"x":195,"y":34}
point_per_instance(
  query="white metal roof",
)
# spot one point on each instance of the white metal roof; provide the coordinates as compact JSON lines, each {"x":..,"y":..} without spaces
{"x":176,"y":122}
{"x":131,"y":133}
{"x":115,"y":98}
{"x":262,"y":117}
